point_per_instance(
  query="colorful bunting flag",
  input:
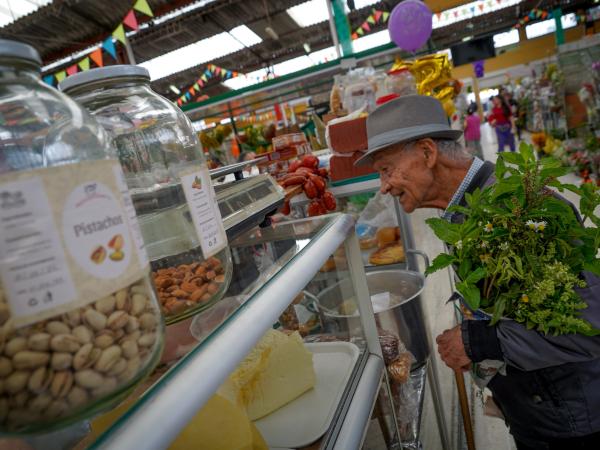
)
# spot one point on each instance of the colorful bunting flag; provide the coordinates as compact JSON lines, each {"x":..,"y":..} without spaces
{"x":188,"y":95}
{"x":354,"y":36}
{"x":179,"y":101}
{"x":472,"y":9}
{"x":119,"y":33}
{"x":377,"y":14}
{"x":109,"y":46}
{"x":455,"y":13}
{"x":385,"y":16}
{"x":366,"y":27}
{"x":84,"y":64}
{"x":131,"y":21}
{"x":196,"y":86}
{"x":96,"y":56}
{"x":360,"y":31}
{"x":201,"y":82}
{"x":371,"y":20}
{"x":49,"y":80}
{"x":204,"y":77}
{"x":142,"y":6}
{"x":60,"y":75}
{"x":481,"y":6}
{"x":72,"y":69}
{"x":217,"y":70}
{"x":439,"y":15}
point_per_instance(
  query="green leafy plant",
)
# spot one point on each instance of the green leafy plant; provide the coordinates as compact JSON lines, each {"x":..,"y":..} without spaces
{"x":520,"y":250}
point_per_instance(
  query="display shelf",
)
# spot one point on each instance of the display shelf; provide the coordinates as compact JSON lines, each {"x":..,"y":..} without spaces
{"x":303,"y":246}
{"x":361,"y":187}
{"x":236,"y":168}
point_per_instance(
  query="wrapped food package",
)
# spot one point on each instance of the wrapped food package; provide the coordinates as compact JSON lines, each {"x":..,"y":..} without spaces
{"x":348,"y":136}
{"x":342,"y":167}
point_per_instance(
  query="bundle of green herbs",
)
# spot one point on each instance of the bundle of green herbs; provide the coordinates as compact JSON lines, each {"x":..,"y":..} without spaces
{"x":520,"y":250}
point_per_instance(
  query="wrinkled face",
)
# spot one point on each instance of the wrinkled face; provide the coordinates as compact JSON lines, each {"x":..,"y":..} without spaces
{"x":405,"y":174}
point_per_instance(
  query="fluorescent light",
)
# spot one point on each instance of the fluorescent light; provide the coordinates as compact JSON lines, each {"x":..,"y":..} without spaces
{"x":200,"y":52}
{"x":371,"y":41}
{"x":309,"y":13}
{"x":362,"y":3}
{"x":174,"y":89}
{"x":549,"y":26}
{"x":306,"y":46}
{"x":508,"y":38}
{"x":246,"y":36}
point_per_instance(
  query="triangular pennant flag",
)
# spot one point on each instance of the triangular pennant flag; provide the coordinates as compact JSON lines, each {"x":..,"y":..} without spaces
{"x":72,"y":69}
{"x":489,"y":3}
{"x":354,"y":36}
{"x":109,"y":46}
{"x":472,"y":10}
{"x":386,"y":15}
{"x":49,"y":80}
{"x":130,"y":20}
{"x":366,"y":27}
{"x":377,"y":15}
{"x":481,"y":6}
{"x":60,"y":75}
{"x":188,"y":95}
{"x":217,"y":70}
{"x":235,"y":74}
{"x":201,"y":82}
{"x":184,"y":99}
{"x":455,"y":13}
{"x":203,"y":77}
{"x":192,"y":90}
{"x":498,"y":1}
{"x":360,"y":31}
{"x":371,"y":19}
{"x":464,"y":11}
{"x":439,"y":15}
{"x":96,"y":56}
{"x":142,"y":6}
{"x":84,"y":64}
{"x":119,"y":33}
{"x":196,"y":86}
{"x":179,"y":101}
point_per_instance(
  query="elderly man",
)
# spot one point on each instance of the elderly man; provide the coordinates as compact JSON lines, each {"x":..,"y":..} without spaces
{"x":547,"y":387}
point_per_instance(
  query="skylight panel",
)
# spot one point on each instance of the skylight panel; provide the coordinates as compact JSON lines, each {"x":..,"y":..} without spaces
{"x":11,"y":10}
{"x":507,"y":38}
{"x":371,"y":41}
{"x":205,"y":50}
{"x":309,"y":13}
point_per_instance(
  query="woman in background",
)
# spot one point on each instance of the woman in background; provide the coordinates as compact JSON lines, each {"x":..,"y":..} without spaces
{"x":473,"y":132}
{"x":501,"y":119}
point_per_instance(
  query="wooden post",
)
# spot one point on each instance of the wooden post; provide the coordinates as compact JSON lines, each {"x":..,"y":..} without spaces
{"x":464,"y":409}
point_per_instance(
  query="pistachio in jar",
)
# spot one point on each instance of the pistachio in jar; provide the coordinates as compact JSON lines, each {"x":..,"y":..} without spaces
{"x":49,"y":381}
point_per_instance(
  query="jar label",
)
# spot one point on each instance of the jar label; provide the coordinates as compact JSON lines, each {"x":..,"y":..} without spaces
{"x":68,"y":238}
{"x":202,"y":201}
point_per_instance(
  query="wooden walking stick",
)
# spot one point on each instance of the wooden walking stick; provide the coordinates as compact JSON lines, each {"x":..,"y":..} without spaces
{"x":464,"y":409}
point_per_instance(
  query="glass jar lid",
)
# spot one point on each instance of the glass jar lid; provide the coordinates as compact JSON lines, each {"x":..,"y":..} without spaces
{"x":20,"y":52}
{"x":100,"y":75}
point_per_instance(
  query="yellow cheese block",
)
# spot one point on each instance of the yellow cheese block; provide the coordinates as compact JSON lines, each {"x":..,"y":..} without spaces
{"x":278,"y":370}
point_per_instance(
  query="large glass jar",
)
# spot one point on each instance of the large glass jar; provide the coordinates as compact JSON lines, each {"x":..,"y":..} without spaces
{"x":169,"y":182}
{"x":80,"y":324}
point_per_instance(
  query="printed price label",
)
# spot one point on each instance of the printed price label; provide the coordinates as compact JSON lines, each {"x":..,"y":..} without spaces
{"x":201,"y":199}
{"x":33,"y":264}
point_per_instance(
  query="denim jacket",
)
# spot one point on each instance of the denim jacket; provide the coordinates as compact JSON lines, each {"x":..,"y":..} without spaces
{"x":552,"y":384}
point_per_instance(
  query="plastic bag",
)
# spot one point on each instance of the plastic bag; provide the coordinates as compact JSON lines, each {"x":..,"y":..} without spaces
{"x":380,"y":212}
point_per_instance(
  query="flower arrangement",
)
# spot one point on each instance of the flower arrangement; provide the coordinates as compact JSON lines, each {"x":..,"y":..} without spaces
{"x":520,"y":250}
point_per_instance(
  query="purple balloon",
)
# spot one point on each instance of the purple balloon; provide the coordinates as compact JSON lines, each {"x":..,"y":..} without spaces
{"x":410,"y":24}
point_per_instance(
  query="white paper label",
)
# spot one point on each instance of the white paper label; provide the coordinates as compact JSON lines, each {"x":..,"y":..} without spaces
{"x":33,"y":264}
{"x":95,"y":230}
{"x":134,"y":226}
{"x":201,"y":199}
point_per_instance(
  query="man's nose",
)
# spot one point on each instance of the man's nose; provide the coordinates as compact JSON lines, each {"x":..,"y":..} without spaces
{"x":385,"y":187}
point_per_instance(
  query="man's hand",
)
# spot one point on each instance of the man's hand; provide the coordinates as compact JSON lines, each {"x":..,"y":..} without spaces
{"x":452,"y":350}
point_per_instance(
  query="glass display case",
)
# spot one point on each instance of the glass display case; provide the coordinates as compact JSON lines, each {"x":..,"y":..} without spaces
{"x":274,"y":286}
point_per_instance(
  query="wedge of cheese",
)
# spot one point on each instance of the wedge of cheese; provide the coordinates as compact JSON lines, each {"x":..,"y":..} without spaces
{"x":278,"y":370}
{"x":222,"y":424}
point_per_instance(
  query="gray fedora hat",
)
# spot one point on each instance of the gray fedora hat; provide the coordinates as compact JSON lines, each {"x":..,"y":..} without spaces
{"x":405,"y":119}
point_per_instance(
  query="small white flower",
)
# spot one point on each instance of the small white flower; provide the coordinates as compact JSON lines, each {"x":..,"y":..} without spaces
{"x":504,"y":246}
{"x":531,"y":224}
{"x":540,"y":226}
{"x":480,"y":223}
{"x":488,"y":228}
{"x":484,"y":244}
{"x":459,"y":245}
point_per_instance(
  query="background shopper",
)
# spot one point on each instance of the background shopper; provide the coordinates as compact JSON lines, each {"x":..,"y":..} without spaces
{"x":472,"y":129}
{"x":501,"y":119}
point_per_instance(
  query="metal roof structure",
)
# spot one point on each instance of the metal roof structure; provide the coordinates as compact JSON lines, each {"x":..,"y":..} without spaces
{"x":64,"y":27}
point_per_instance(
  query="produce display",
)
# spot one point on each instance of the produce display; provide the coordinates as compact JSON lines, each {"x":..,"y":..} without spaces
{"x":276,"y":371}
{"x":520,"y":251}
{"x":306,"y":173}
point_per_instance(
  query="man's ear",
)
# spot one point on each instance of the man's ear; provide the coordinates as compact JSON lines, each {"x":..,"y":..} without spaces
{"x":430,"y":152}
